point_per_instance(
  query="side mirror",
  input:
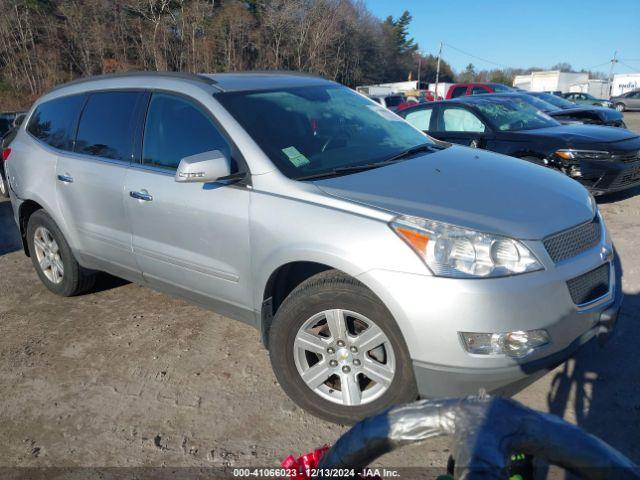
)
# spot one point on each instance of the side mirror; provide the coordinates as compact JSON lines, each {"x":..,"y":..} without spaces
{"x":203,"y":167}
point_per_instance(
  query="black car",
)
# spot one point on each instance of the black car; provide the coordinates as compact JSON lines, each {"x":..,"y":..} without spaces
{"x":603,"y":159}
{"x":569,"y":112}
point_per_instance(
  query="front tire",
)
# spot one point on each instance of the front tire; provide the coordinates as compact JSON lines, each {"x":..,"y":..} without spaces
{"x":337,"y":351}
{"x":53,"y":259}
{"x":621,"y":107}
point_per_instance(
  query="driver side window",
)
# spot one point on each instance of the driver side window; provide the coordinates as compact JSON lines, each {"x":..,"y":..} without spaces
{"x":175,"y":129}
{"x":461,"y":120}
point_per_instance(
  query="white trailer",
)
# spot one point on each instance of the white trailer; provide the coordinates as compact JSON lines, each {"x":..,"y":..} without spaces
{"x":624,"y":82}
{"x":597,"y":88}
{"x":550,"y":81}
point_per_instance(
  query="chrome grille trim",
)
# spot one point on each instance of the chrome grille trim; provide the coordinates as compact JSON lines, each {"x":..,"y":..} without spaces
{"x":569,"y":243}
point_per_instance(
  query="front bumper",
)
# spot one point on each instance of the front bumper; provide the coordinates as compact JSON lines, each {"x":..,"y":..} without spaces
{"x":607,"y":177}
{"x":430,"y":312}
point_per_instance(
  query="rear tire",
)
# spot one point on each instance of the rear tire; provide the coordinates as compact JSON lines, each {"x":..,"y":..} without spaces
{"x":53,"y":259}
{"x":346,"y":393}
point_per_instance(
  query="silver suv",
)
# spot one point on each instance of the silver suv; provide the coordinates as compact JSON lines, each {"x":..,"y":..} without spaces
{"x":377,"y":263}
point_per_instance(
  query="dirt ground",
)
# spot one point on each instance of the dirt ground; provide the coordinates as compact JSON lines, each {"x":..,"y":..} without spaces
{"x":125,"y":376}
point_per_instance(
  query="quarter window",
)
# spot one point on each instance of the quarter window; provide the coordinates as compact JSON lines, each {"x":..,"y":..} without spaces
{"x":420,"y":118}
{"x":108,"y":124}
{"x":478,"y":90}
{"x":460,"y":120}
{"x":176,"y":129}
{"x":53,"y":121}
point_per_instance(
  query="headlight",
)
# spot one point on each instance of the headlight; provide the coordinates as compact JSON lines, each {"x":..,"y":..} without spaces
{"x":514,"y":344}
{"x":451,"y":251}
{"x":570,"y":154}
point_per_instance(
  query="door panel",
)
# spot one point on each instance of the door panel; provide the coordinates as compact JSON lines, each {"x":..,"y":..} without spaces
{"x":90,"y":183}
{"x":191,"y":238}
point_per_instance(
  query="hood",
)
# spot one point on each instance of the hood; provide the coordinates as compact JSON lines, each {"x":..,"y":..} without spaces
{"x":605,"y":114}
{"x":472,"y":188}
{"x":576,"y":135}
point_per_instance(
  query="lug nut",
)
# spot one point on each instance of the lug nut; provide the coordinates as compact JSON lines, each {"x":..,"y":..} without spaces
{"x":330,"y":351}
{"x":354,"y":349}
{"x":333,"y":363}
{"x":340,"y":343}
{"x":356,"y":362}
{"x":346,"y":369}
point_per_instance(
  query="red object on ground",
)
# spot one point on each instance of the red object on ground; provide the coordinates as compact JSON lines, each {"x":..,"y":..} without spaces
{"x":5,"y":153}
{"x":304,"y":463}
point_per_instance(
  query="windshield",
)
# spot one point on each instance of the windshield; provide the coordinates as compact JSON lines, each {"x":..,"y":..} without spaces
{"x":539,"y":103}
{"x":307,"y":131}
{"x":499,"y":88}
{"x":509,"y":115}
{"x":554,"y":100}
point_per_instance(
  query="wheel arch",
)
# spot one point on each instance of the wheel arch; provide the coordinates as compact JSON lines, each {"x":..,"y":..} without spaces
{"x":27,"y":208}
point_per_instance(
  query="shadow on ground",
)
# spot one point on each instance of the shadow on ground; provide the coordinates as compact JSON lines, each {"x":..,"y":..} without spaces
{"x":601,"y":382}
{"x":9,"y":236}
{"x":10,"y":241}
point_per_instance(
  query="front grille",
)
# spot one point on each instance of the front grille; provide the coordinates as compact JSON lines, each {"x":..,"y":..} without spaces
{"x":625,"y":179}
{"x":628,"y":157}
{"x":589,"y":286}
{"x":574,"y":241}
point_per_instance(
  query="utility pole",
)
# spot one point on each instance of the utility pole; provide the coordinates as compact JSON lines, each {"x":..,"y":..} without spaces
{"x":419,"y":68}
{"x":438,"y":71}
{"x":614,"y":60}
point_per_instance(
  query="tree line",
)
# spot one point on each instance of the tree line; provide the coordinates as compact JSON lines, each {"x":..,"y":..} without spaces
{"x":47,"y":42}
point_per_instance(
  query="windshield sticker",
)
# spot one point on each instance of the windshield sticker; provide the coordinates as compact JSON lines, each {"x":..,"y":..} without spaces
{"x":384,"y":113}
{"x":295,"y":157}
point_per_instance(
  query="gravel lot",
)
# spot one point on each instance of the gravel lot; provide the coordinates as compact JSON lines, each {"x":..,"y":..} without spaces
{"x":125,"y":376}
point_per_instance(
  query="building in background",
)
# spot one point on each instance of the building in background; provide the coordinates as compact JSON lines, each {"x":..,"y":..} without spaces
{"x":624,"y":82}
{"x":596,"y":87}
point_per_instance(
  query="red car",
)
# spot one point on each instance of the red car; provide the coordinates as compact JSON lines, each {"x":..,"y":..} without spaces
{"x":461,"y":89}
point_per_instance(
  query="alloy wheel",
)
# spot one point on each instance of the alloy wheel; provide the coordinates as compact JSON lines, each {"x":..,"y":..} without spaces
{"x":344,"y":357}
{"x":48,"y":255}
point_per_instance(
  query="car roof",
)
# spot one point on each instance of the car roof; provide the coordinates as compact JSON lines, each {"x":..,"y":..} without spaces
{"x":222,"y":82}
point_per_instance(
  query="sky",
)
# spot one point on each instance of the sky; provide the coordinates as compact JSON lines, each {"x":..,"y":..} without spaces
{"x":524,"y":33}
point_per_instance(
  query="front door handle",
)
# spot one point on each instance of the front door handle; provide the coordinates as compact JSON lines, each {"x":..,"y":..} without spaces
{"x":65,"y":178}
{"x":143,"y":195}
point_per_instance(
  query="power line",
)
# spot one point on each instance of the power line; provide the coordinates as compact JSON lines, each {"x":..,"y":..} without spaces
{"x":475,"y":56}
{"x":628,"y":66}
{"x":600,"y":65}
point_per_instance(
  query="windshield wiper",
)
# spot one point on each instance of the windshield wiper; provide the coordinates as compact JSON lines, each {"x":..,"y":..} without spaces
{"x":334,"y":172}
{"x":413,"y":150}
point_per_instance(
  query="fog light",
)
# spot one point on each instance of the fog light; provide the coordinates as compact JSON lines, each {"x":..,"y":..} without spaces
{"x":513,"y":344}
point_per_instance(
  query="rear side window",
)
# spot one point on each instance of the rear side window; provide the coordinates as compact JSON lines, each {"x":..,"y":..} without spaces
{"x":108,"y":125}
{"x":459,"y":91}
{"x":176,"y":128}
{"x":420,"y":118}
{"x":53,"y":121}
{"x":477,"y":90}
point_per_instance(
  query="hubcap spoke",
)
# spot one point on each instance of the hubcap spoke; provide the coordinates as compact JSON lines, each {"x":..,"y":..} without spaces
{"x":310,"y":342}
{"x":45,"y":263}
{"x":337,"y":324}
{"x":378,"y":372}
{"x":57,"y":263}
{"x":39,"y":244}
{"x":351,"y":394}
{"x":316,"y":375}
{"x":369,"y":339}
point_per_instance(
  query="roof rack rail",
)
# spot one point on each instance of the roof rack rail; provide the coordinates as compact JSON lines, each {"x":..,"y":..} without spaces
{"x":137,"y":73}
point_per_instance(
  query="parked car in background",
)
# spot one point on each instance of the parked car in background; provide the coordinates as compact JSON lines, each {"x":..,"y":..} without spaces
{"x":603,"y":159}
{"x":390,"y":102}
{"x":476,"y":88}
{"x":9,"y":121}
{"x":569,"y":112}
{"x":582,"y":98}
{"x":627,"y":101}
{"x":377,"y":263}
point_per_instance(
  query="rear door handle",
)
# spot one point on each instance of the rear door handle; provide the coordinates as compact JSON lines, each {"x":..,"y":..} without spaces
{"x":143,"y":195}
{"x":65,"y":178}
